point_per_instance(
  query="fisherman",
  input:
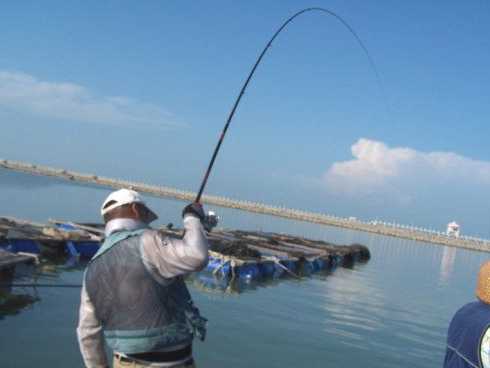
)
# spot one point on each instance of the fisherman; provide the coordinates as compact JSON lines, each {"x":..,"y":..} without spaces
{"x":134,"y":296}
{"x":468,"y":340}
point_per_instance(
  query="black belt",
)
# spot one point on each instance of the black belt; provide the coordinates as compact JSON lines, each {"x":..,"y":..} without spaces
{"x":159,"y":356}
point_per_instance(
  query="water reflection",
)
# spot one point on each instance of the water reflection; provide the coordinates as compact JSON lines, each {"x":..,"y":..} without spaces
{"x":447,"y":264}
{"x":208,"y":282}
{"x":17,"y":180}
{"x":56,"y":266}
{"x":20,"y":286}
{"x":12,"y":302}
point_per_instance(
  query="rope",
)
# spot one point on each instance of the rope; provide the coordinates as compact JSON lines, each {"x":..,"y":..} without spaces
{"x":278,"y":262}
{"x":236,"y":262}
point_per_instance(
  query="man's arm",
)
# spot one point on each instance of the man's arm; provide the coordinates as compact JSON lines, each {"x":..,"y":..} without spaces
{"x":173,"y":257}
{"x":90,"y":337}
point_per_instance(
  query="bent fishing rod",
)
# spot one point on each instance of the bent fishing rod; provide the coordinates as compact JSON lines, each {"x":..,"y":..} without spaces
{"x":234,"y":108}
{"x":252,"y":72}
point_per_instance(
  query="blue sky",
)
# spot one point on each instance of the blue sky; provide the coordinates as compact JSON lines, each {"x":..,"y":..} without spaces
{"x":141,"y":90}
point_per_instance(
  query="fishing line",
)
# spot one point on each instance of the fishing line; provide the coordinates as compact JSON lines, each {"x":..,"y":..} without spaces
{"x":250,"y":75}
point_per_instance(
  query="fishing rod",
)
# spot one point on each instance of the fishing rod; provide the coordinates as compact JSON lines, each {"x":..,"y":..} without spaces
{"x":250,"y":75}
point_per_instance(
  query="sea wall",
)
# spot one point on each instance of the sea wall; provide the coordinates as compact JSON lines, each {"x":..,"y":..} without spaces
{"x":377,"y":227}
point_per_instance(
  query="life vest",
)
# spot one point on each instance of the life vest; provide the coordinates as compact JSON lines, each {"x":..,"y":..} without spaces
{"x":468,"y":340}
{"x":138,"y":314}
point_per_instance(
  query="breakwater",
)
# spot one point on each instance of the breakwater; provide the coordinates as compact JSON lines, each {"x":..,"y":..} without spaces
{"x":377,"y":227}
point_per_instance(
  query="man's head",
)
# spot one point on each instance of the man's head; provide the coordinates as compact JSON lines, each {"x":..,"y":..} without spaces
{"x":483,"y":284}
{"x":126,"y":203}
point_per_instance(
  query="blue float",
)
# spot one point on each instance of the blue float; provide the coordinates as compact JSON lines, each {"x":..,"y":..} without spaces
{"x":290,"y":265}
{"x":308,"y":267}
{"x":268,"y":269}
{"x":248,"y":271}
{"x":23,"y":245}
{"x":85,"y":249}
{"x":219,"y":267}
{"x":4,"y":244}
{"x":278,"y":270}
{"x":319,"y":264}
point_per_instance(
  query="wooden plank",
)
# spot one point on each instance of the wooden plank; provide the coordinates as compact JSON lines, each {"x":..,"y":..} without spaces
{"x":9,"y":259}
{"x":273,"y":252}
{"x":13,"y":228}
{"x":90,"y":229}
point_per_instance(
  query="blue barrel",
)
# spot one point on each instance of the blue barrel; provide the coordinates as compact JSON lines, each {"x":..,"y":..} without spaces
{"x":24,"y":245}
{"x":71,"y":249}
{"x":278,"y":271}
{"x":4,"y":244}
{"x":219,"y":267}
{"x":248,"y":272}
{"x":85,"y":249}
{"x":213,"y":264}
{"x":319,"y":264}
{"x":225,"y":270}
{"x":267,"y":269}
{"x":308,"y":267}
{"x":290,"y":265}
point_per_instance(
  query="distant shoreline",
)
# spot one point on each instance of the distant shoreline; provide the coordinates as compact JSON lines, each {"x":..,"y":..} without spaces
{"x":398,"y":231}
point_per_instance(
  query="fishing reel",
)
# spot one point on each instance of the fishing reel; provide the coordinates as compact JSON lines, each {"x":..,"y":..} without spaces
{"x":210,"y":221}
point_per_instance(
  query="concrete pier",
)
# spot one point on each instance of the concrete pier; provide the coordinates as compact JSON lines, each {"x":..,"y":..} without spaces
{"x":382,"y":228}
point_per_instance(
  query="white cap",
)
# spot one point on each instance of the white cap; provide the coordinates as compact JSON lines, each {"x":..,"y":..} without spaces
{"x":121,"y":197}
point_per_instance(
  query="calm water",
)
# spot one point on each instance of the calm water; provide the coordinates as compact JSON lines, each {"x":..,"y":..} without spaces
{"x":391,"y":312}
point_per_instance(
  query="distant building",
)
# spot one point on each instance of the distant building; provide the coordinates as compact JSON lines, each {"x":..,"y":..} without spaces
{"x":453,"y":229}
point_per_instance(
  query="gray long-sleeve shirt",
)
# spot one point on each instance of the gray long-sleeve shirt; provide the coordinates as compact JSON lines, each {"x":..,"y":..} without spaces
{"x":164,"y":257}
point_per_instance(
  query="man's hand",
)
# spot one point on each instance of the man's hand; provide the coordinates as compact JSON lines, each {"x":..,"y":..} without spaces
{"x":194,"y":209}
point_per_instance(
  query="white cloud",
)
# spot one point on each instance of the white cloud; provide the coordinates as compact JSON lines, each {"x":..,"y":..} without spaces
{"x":379,"y":169}
{"x":24,"y":93}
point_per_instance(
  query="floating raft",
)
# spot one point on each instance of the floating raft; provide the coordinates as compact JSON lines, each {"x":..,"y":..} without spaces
{"x":235,"y":256}
{"x":57,"y":237}
{"x":240,"y":258}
